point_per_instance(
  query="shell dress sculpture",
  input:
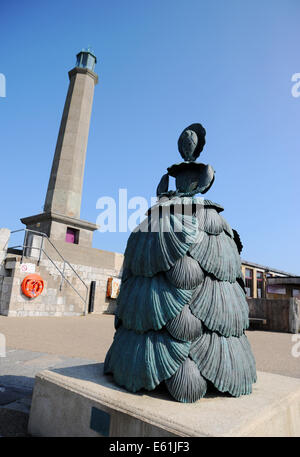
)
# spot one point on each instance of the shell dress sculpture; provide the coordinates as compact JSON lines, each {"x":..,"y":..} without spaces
{"x":181,"y":312}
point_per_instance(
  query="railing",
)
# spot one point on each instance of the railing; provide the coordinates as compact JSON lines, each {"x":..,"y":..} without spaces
{"x":41,"y":249}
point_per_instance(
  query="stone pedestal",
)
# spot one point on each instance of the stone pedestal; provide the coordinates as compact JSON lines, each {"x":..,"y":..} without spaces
{"x":81,"y":401}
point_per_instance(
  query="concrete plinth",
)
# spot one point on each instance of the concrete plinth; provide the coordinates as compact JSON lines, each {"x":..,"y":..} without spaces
{"x":81,"y":401}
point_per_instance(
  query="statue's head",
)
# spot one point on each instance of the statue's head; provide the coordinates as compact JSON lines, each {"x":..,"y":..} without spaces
{"x":191,"y":142}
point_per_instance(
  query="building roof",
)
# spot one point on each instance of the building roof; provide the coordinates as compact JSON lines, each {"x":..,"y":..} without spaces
{"x":263,"y":267}
{"x":295,"y":280}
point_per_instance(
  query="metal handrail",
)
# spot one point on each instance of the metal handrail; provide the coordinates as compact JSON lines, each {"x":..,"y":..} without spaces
{"x":41,"y":249}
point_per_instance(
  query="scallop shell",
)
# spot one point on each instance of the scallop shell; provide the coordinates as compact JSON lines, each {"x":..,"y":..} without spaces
{"x":226,"y":227}
{"x":185,"y":326}
{"x":148,"y":303}
{"x":209,"y":220}
{"x":218,"y":255}
{"x":142,"y":361}
{"x":187,"y":385}
{"x":227,"y":362}
{"x":209,"y":203}
{"x":222,"y":306}
{"x":158,"y":242}
{"x":186,"y":273}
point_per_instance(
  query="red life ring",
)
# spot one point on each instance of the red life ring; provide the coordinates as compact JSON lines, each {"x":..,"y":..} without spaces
{"x":32,"y":285}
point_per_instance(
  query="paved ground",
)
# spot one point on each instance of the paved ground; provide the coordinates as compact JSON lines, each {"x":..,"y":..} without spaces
{"x":37,"y":343}
{"x":89,"y":337}
{"x":17,"y":372}
{"x":79,"y":336}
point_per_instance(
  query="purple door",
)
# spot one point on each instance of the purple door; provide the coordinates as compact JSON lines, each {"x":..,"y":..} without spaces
{"x":70,"y":235}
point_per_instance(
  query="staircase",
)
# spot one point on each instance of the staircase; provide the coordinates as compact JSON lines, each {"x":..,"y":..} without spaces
{"x":38,"y":246}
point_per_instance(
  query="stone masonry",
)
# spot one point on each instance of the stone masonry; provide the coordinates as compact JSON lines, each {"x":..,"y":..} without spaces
{"x":58,"y":298}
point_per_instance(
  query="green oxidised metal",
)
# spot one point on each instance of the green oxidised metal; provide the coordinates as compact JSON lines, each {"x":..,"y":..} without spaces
{"x":144,"y":360}
{"x":218,"y":255}
{"x":182,"y":311}
{"x":227,"y":362}
{"x":158,"y":242}
{"x":149,"y":303}
{"x":221,"y":306}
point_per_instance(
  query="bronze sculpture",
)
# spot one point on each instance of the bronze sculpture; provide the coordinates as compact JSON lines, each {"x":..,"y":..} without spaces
{"x":182,"y":312}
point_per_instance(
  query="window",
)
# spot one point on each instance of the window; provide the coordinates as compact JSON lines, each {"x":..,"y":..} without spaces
{"x":280,"y":290}
{"x":72,"y":235}
{"x":260,"y":284}
{"x":84,"y":60}
{"x":296,"y":293}
{"x":249,"y":282}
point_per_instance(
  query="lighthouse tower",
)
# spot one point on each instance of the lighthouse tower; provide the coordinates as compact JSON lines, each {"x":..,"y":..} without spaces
{"x":61,"y":217}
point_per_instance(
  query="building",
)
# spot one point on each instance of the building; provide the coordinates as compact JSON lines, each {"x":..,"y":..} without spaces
{"x":266,"y":282}
{"x":273,"y":297}
{"x":57,"y":244}
{"x":60,"y":220}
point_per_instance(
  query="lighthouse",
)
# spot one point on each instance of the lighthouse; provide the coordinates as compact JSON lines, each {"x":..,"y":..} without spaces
{"x":60,"y":220}
{"x":57,"y":244}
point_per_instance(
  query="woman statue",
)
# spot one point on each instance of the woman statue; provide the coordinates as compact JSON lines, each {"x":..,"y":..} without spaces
{"x":182,"y":311}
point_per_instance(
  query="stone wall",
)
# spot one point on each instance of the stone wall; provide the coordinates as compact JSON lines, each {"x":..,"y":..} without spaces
{"x":58,"y":297}
{"x":4,"y":239}
{"x":283,"y":315}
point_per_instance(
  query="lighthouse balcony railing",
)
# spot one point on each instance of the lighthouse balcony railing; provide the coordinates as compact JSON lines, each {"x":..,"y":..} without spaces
{"x":25,"y":250}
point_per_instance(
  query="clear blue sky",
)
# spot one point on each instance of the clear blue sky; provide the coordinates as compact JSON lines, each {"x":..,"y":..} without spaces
{"x":162,"y":65}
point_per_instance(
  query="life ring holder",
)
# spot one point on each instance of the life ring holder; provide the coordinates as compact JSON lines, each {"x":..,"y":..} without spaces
{"x":32,"y":285}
